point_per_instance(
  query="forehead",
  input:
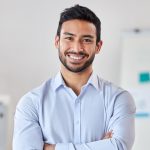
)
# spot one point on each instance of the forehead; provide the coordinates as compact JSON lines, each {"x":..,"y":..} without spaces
{"x":79,"y":27}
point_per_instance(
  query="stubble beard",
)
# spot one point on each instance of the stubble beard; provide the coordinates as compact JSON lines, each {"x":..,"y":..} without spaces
{"x":76,"y":69}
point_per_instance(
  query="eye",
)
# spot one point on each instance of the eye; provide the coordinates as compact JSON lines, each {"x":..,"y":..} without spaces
{"x":69,"y":38}
{"x":87,"y":40}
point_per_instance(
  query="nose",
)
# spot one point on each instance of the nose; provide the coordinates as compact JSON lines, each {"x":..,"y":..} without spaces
{"x":77,"y":46}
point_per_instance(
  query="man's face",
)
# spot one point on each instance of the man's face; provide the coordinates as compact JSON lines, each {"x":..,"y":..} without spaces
{"x":77,"y":45}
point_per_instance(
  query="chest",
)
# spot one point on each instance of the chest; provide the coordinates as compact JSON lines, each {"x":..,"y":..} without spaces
{"x":68,"y":119}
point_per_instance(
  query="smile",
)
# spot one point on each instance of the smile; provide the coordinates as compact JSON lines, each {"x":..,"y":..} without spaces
{"x":76,"y":57}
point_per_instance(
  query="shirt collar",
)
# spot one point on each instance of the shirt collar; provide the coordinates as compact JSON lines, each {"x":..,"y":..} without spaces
{"x":58,"y":81}
{"x":93,"y":80}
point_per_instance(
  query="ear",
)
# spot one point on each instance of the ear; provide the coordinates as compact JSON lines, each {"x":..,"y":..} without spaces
{"x":98,"y":46}
{"x":57,"y":41}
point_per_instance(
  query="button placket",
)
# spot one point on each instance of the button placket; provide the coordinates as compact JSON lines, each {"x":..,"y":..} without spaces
{"x":77,"y":122}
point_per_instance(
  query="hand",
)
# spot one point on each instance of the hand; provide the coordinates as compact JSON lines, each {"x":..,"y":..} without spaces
{"x":108,"y":135}
{"x":49,"y":147}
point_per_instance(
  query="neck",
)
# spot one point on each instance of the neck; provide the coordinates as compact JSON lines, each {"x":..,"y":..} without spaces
{"x":76,"y":80}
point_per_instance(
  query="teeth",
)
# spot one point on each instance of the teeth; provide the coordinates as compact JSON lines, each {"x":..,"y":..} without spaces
{"x":76,"y":57}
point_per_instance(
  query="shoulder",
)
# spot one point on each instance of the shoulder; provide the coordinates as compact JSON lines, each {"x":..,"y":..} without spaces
{"x":108,"y":87}
{"x":115,"y":95}
{"x":33,"y":97}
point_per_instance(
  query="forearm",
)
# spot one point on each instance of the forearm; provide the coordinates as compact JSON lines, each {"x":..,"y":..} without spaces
{"x":53,"y":147}
{"x":120,"y":139}
{"x":49,"y":146}
{"x":97,"y":145}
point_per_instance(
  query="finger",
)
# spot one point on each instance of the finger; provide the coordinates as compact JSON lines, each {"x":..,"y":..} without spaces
{"x":108,"y":135}
{"x":46,"y":146}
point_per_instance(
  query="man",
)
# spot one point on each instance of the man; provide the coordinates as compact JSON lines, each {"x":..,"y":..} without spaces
{"x":75,"y":110}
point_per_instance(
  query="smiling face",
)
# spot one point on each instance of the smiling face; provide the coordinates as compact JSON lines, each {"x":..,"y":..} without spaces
{"x":77,"y":45}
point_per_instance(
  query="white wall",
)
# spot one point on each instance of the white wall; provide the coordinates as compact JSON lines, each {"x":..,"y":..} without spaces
{"x":27,"y":31}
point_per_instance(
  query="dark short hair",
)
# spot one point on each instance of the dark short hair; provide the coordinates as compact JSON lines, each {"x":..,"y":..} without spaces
{"x":82,"y":13}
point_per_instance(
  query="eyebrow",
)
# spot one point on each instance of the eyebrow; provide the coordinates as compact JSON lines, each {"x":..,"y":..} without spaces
{"x":84,"y":36}
{"x":67,"y":33}
{"x":88,"y":36}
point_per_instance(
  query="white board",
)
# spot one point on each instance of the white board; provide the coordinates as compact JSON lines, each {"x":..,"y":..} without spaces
{"x":135,"y":77}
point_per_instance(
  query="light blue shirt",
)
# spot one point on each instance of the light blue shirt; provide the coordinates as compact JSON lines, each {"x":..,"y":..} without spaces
{"x":54,"y":114}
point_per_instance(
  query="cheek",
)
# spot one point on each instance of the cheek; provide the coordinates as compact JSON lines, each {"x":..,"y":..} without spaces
{"x":91,"y":49}
{"x":64,"y":46}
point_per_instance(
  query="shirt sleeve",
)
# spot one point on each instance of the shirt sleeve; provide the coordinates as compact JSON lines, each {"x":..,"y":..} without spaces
{"x":122,"y":124}
{"x":27,"y":131}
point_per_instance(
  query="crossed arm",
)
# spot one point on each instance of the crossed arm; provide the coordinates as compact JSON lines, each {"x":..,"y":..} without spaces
{"x":28,"y":133}
{"x":52,"y":146}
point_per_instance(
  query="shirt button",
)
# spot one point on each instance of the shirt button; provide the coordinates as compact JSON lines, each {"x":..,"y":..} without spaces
{"x":77,"y":100}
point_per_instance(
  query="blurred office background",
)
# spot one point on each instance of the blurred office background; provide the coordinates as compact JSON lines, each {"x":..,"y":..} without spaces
{"x":28,"y":55}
